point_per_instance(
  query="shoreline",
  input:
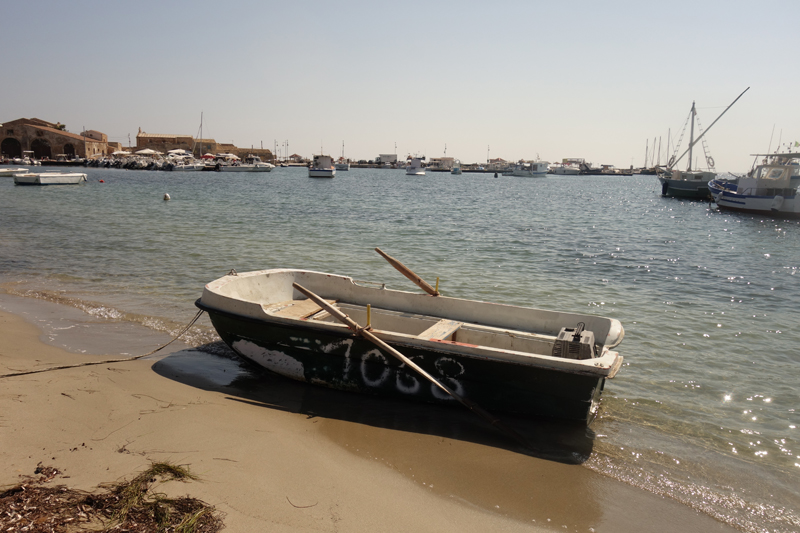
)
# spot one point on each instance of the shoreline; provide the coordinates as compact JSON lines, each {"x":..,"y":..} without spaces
{"x":279,"y":454}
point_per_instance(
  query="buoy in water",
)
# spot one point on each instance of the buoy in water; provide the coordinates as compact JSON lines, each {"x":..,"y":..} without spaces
{"x":166,"y":197}
{"x":102,"y":181}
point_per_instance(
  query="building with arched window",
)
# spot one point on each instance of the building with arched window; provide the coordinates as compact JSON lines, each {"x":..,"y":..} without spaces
{"x":47,"y":140}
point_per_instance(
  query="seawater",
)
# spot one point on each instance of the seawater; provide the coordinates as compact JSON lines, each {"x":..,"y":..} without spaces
{"x":704,"y":409}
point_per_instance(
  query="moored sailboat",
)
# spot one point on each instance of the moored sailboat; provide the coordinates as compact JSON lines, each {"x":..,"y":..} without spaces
{"x":342,"y":163}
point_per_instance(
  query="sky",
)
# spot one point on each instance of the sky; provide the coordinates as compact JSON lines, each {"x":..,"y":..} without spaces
{"x":600,"y":80}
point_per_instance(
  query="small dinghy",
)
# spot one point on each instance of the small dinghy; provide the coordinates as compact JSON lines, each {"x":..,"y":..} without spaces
{"x":50,"y":178}
{"x":9,"y":172}
{"x":335,"y":331}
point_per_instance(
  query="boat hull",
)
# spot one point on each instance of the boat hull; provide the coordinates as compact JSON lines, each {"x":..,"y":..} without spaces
{"x":683,"y":189}
{"x":347,"y":362}
{"x":688,"y":184}
{"x":49,"y":179}
{"x":566,"y":171}
{"x":321,"y":172}
{"x":782,"y":203}
{"x":188,"y":168}
{"x":245,"y":168}
{"x":528,"y":174}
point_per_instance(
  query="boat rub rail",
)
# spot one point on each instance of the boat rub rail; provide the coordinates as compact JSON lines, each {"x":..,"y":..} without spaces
{"x":300,"y":313}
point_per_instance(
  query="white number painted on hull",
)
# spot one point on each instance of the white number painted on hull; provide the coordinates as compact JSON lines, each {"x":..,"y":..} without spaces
{"x":385,"y":374}
{"x":449,"y":369}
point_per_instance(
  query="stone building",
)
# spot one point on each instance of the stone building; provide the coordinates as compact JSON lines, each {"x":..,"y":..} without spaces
{"x":48,"y":140}
{"x":164,"y":142}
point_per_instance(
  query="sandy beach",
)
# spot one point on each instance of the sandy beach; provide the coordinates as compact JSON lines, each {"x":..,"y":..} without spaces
{"x":281,"y":456}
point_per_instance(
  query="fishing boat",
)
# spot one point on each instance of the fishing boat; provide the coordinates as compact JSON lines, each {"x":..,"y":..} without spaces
{"x":50,"y":178}
{"x":770,"y":188}
{"x":690,"y":183}
{"x":322,"y":167}
{"x":500,"y":357}
{"x":9,"y":172}
{"x":415,"y":168}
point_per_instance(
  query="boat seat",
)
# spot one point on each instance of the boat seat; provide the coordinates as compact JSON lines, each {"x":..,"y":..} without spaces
{"x":441,"y":330}
{"x":295,"y":308}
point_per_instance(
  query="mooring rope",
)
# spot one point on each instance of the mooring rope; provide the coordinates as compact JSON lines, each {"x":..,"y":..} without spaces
{"x":90,"y":363}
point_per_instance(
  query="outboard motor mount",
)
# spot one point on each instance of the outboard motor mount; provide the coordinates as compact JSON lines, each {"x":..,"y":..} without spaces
{"x":574,"y":343}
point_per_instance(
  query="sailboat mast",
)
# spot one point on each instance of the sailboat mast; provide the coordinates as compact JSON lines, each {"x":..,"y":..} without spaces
{"x":653,"y":154}
{"x":658,"y":163}
{"x":691,"y":137}
{"x":689,"y":150}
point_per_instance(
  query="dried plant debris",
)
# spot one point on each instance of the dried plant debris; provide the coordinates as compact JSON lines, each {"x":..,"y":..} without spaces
{"x":130,"y":506}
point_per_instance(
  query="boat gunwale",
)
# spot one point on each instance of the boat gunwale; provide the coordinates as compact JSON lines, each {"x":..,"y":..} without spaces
{"x":588,"y":367}
{"x":215,"y":288}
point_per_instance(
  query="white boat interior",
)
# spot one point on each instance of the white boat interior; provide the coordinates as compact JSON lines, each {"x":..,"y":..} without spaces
{"x":480,"y":329}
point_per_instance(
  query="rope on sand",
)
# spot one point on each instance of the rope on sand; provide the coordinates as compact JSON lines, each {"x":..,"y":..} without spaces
{"x":90,"y":363}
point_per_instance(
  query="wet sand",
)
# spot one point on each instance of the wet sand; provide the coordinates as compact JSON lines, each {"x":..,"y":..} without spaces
{"x":282,"y":456}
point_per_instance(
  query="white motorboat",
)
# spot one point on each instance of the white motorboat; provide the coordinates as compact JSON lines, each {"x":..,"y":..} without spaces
{"x":188,"y":166}
{"x":9,"y":172}
{"x":50,"y":178}
{"x":29,"y":158}
{"x":771,"y":188}
{"x":415,"y":168}
{"x":456,"y":170}
{"x":530,"y":169}
{"x":322,"y":167}
{"x":565,"y":170}
{"x":252,"y":163}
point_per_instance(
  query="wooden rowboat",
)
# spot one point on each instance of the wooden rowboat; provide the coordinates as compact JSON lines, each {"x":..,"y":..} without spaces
{"x":501,"y":357}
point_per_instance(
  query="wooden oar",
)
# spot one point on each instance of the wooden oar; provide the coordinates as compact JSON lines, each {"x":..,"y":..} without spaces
{"x":353,"y":325}
{"x":407,"y":272}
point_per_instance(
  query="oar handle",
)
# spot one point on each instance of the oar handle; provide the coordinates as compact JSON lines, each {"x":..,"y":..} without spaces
{"x":407,"y":272}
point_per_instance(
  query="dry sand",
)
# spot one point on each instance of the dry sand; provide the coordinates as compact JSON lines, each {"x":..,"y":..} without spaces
{"x":279,"y":456}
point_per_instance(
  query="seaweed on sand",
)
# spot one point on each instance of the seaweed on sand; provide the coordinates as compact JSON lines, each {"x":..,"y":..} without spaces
{"x":129,"y":506}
